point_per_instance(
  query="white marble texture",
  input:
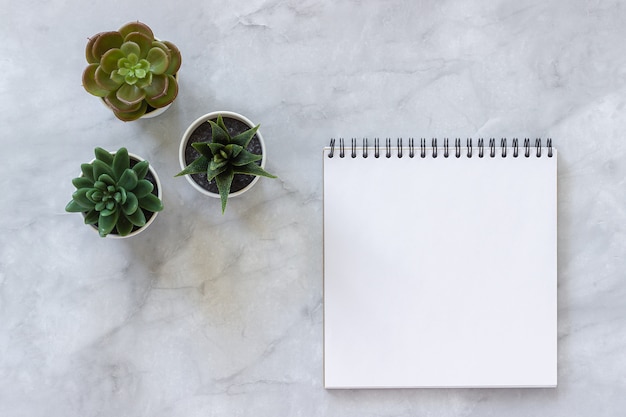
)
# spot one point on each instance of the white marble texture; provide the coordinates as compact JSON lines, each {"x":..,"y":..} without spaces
{"x":211,"y":315}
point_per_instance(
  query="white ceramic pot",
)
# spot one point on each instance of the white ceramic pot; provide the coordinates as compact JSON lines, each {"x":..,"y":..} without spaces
{"x":187,"y":135}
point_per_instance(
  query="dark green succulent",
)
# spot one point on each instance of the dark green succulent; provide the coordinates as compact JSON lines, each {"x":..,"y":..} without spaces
{"x":224,"y":157}
{"x":131,"y":70}
{"x":113,"y":195}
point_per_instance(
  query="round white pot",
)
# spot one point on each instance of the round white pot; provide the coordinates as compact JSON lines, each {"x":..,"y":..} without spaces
{"x":187,"y":135}
{"x":159,"y":188}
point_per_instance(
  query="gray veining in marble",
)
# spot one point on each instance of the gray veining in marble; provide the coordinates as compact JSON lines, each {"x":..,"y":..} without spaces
{"x":207,"y":315}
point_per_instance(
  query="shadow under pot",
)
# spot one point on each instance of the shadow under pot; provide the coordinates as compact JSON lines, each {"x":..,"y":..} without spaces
{"x":200,"y":131}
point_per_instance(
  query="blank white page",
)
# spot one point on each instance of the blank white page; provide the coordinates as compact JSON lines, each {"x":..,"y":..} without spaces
{"x":440,"y":272}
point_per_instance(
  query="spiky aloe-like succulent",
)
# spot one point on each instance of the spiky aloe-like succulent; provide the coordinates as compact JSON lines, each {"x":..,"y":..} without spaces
{"x":112,"y":194}
{"x":224,"y":157}
{"x":131,"y":70}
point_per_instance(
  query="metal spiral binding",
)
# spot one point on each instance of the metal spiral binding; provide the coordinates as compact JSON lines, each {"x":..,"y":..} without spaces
{"x":332,"y":148}
{"x":458,"y":150}
{"x":526,"y":147}
{"x":538,"y":146}
{"x":549,"y":145}
{"x":492,"y":147}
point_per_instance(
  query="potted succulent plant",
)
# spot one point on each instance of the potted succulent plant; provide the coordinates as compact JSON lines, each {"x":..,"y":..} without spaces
{"x":132,"y":71}
{"x":118,"y":193}
{"x":222,"y":154}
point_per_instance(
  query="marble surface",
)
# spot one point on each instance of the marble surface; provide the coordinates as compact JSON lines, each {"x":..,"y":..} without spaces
{"x":221,"y":315}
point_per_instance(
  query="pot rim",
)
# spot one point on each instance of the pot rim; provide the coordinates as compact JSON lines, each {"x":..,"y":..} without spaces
{"x":193,"y":126}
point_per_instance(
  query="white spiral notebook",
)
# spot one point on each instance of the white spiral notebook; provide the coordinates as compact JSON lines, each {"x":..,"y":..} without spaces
{"x":440,"y":264}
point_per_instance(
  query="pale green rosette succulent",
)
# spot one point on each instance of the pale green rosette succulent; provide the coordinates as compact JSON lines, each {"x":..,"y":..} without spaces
{"x":113,"y":195}
{"x":131,"y":70}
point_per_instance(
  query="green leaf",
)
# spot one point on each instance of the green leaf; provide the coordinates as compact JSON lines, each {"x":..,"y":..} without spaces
{"x":82,"y":182}
{"x":143,"y":188}
{"x":129,"y":116}
{"x":145,"y":82}
{"x":141,"y":169}
{"x":245,"y":157}
{"x":220,"y":123}
{"x":123,"y":195}
{"x":74,"y":207}
{"x":128,"y":180}
{"x":198,"y":166}
{"x":95,"y":195}
{"x":104,"y":42}
{"x":89,"y":50}
{"x":80,"y":197}
{"x":121,"y":162}
{"x":131,"y":27}
{"x":137,"y":218}
{"x":87,"y":170}
{"x":203,"y":148}
{"x":132,"y":203}
{"x":109,"y":60}
{"x":214,"y":147}
{"x":244,"y":138}
{"x":151,"y":203}
{"x":109,"y":210}
{"x":159,"y":60}
{"x":157,"y":88}
{"x":234,"y":150}
{"x":124,"y":226}
{"x":175,"y":58}
{"x":142,"y":40}
{"x":89,"y":82}
{"x":105,"y":81}
{"x":117,"y":77}
{"x":118,"y":106}
{"x":130,"y":48}
{"x":100,"y":168}
{"x":106,"y":224}
{"x":100,"y":186}
{"x":217,"y":165}
{"x":104,"y":156}
{"x":224,"y":181}
{"x":166,"y":97}
{"x":218,"y":133}
{"x":92,"y":217}
{"x":130,"y":94}
{"x":107,"y":179}
{"x":212,"y":173}
{"x":253,"y":169}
